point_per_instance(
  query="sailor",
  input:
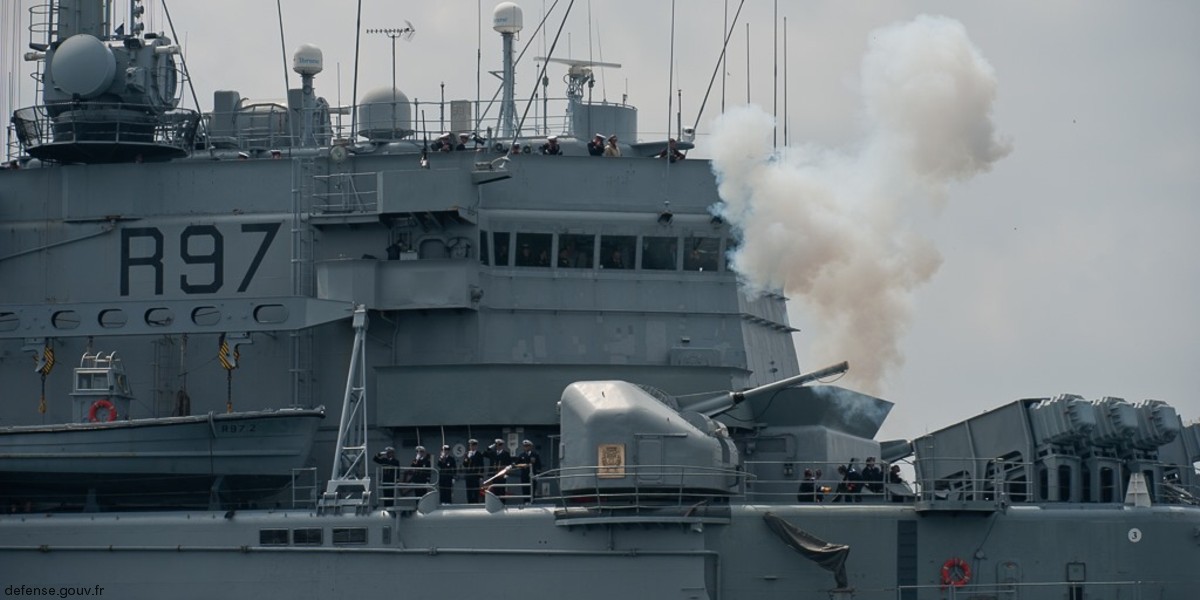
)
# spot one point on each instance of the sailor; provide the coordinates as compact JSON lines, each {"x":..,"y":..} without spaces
{"x":472,"y":469}
{"x":276,"y":154}
{"x":895,"y":478}
{"x":611,"y":149}
{"x":515,"y":149}
{"x":501,"y":460}
{"x":671,"y":152}
{"x":387,"y":458}
{"x":529,"y":462}
{"x":872,"y":476}
{"x":418,"y":470}
{"x":443,"y":143}
{"x":551,"y":147}
{"x":809,"y":491}
{"x":463,"y":138}
{"x":243,"y":155}
{"x":848,"y":488}
{"x":447,"y":468}
{"x":596,"y":146}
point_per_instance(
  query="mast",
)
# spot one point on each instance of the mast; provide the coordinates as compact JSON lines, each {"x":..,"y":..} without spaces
{"x":508,"y":20}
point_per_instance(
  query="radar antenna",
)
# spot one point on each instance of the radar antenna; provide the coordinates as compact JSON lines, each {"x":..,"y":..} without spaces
{"x":579,"y":73}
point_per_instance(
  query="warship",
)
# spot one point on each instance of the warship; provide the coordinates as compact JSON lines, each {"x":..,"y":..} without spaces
{"x":448,"y":288}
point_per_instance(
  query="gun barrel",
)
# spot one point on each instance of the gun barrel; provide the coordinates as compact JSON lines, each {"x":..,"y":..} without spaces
{"x":719,"y":404}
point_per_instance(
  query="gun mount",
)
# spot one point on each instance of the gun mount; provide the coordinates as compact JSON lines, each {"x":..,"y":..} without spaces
{"x":717,"y":405}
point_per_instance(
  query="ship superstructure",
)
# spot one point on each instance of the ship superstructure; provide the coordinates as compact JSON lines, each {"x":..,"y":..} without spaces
{"x":447,"y":288}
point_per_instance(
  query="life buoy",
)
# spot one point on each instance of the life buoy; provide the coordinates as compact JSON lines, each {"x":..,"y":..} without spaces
{"x":104,"y":404}
{"x":956,"y":572}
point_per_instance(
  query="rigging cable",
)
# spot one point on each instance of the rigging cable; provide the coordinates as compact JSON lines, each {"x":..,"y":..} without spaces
{"x":183,"y":62}
{"x":545,"y":64}
{"x":287,"y":84}
{"x":724,"y":47}
{"x":354,"y":89}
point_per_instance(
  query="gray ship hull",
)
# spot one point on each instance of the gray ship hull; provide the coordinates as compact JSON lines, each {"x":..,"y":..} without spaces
{"x":172,"y":461}
{"x":535,"y":552}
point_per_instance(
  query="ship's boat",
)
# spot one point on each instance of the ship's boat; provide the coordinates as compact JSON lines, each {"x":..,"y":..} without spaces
{"x":615,"y":416}
{"x":102,"y":457}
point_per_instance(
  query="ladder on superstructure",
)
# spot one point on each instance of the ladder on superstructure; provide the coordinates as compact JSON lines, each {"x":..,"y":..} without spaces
{"x":302,"y":280}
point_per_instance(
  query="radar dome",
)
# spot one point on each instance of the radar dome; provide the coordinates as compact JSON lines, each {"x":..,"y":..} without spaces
{"x":308,"y":60}
{"x":507,"y":18}
{"x":384,"y":114}
{"x":83,"y":66}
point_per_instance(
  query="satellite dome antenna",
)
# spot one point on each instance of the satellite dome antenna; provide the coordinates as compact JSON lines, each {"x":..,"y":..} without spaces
{"x":508,"y":20}
{"x":307,"y":61}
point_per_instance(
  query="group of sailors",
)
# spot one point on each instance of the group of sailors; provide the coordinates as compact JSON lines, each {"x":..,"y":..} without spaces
{"x":851,"y":485}
{"x":600,"y":145}
{"x":485,"y":470}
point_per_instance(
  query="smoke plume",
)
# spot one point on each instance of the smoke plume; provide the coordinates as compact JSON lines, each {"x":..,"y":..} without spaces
{"x":828,"y":227}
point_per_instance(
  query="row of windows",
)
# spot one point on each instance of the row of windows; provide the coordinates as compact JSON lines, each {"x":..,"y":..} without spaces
{"x":590,"y":251}
{"x":314,"y":536}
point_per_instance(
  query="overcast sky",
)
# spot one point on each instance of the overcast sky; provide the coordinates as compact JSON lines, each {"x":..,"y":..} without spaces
{"x":1069,"y":267}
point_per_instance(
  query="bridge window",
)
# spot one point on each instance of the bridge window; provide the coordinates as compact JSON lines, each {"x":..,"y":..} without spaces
{"x":617,"y":251}
{"x":701,"y":253}
{"x":483,"y":247}
{"x":272,"y":537}
{"x":349,"y":535}
{"x":575,"y":251}
{"x":500,"y":239}
{"x":659,"y":253}
{"x":308,"y":536}
{"x":533,"y":249}
{"x":731,"y":246}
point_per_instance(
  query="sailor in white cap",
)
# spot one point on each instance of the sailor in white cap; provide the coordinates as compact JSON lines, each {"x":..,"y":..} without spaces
{"x":530,"y":464}
{"x":443,"y":143}
{"x":447,"y":469}
{"x":501,"y":459}
{"x":419,"y":470}
{"x":596,"y":146}
{"x":551,"y":147}
{"x":463,"y":138}
{"x":387,"y":488}
{"x":472,"y":470}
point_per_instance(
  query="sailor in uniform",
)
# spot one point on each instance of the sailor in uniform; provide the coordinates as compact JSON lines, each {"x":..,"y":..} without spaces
{"x":418,"y":473}
{"x":447,"y":467}
{"x":472,"y":468}
{"x":387,"y":458}
{"x":530,"y":464}
{"x":596,"y":146}
{"x":551,"y":147}
{"x":501,"y":460}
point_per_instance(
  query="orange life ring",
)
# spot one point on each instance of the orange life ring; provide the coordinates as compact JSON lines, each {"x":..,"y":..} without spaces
{"x":102,"y":403}
{"x":956,"y":572}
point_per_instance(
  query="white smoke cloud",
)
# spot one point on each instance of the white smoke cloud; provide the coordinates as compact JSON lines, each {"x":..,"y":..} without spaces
{"x":828,"y":227}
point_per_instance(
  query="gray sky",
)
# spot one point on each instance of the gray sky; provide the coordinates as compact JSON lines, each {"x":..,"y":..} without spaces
{"x":1070,"y":267}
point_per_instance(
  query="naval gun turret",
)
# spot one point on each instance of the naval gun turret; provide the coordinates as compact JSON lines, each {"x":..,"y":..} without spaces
{"x":619,"y":440}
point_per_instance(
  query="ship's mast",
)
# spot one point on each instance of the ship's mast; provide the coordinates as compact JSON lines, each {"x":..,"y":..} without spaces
{"x":508,"y":20}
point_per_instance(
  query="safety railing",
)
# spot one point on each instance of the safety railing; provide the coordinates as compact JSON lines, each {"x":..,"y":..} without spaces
{"x":304,"y":487}
{"x":951,"y":480}
{"x":346,"y":193}
{"x":1047,"y":590}
{"x":96,"y":123}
